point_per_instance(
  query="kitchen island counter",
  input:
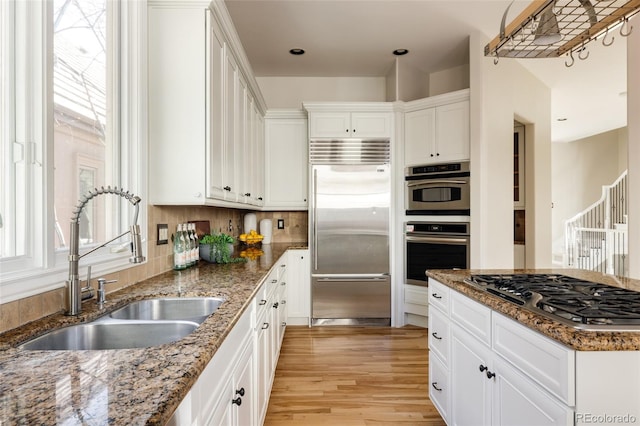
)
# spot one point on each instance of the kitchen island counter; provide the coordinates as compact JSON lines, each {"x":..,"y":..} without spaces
{"x":128,"y":386}
{"x":574,"y":338}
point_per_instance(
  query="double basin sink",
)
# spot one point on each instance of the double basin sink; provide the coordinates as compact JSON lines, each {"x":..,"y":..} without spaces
{"x":139,"y":324}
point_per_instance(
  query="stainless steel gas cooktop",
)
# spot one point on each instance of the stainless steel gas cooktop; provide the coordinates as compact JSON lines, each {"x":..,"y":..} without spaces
{"x":574,"y":302}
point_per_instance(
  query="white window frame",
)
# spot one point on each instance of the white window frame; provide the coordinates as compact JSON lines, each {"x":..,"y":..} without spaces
{"x":42,"y":268}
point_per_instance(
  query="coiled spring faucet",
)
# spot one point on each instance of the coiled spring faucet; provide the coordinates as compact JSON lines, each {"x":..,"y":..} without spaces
{"x":73,"y":294}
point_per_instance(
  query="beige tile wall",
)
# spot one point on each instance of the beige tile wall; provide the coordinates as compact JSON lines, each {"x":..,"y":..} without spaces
{"x":159,"y":257}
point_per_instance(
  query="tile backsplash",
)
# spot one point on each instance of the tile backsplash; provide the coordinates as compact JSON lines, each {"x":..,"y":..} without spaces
{"x":159,"y":257}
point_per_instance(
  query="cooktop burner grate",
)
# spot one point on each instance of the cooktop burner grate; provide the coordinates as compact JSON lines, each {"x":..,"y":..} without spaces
{"x":572,"y":299}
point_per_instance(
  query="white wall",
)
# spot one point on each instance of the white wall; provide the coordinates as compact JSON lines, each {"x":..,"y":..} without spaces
{"x":499,"y":94}
{"x":291,"y":92}
{"x":449,"y":80}
{"x":579,"y":170}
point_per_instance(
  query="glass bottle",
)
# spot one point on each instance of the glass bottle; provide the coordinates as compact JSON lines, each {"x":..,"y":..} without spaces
{"x":179,"y":253}
{"x":196,"y":244}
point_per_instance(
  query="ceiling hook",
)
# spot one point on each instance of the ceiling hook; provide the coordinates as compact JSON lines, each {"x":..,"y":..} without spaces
{"x":625,"y":23}
{"x":569,"y":64}
{"x":604,"y":39}
{"x":583,"y":50}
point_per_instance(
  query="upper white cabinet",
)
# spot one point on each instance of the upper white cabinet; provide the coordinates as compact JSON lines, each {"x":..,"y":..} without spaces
{"x":350,"y":120}
{"x":205,"y":109}
{"x":437,"y":129}
{"x":286,"y":161}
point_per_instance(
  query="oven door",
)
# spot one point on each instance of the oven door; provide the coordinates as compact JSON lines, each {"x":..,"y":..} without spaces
{"x":438,"y":196}
{"x":424,"y":252}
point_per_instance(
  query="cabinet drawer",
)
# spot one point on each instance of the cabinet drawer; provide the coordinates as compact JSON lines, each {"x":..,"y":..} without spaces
{"x":543,"y":360}
{"x":439,"y":385}
{"x":472,"y":316}
{"x":439,"y":295}
{"x":439,"y":334}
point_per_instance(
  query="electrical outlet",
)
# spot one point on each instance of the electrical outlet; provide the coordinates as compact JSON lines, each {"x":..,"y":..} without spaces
{"x":163,"y":234}
{"x":280,"y":223}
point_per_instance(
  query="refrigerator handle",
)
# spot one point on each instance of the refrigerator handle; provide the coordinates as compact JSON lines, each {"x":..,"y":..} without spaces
{"x":315,"y":219}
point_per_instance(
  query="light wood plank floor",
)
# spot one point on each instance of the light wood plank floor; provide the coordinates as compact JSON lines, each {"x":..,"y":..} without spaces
{"x":352,"y":376}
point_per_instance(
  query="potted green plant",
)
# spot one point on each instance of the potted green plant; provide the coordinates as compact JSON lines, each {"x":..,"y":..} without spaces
{"x":217,"y":248}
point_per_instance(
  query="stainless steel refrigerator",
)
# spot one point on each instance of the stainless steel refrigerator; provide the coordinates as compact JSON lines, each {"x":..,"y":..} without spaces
{"x":350,"y":187}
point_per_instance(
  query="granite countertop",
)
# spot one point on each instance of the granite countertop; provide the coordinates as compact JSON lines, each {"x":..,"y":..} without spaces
{"x":577,"y":339}
{"x":128,"y":386}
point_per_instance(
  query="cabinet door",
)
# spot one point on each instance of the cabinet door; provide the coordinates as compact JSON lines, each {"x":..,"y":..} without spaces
{"x":244,"y":392}
{"x":470,"y":386}
{"x":259,"y":177}
{"x":263,"y":363}
{"x":215,"y":101}
{"x":519,"y":401}
{"x":330,"y":124}
{"x":241,"y":155}
{"x":287,"y":163}
{"x":229,"y":128}
{"x":420,"y":134}
{"x":371,"y":124}
{"x":177,"y":116}
{"x":452,"y":132}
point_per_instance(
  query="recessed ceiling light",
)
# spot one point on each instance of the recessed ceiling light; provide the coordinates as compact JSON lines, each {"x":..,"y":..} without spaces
{"x":400,"y":52}
{"x":297,"y":51}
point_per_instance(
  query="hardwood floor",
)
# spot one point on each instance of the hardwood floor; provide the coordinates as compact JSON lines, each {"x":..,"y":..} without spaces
{"x":352,"y":376}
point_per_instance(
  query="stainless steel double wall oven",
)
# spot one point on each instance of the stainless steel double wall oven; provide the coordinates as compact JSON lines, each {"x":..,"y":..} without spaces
{"x":442,"y":191}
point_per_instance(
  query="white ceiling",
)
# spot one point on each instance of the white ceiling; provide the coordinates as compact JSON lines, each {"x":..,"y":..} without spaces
{"x":357,"y":37}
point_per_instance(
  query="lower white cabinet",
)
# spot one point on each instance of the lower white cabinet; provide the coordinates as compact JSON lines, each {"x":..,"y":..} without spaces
{"x":211,"y":399}
{"x":298,"y":287}
{"x":487,"y":369}
{"x":234,"y":388}
{"x":236,"y":403}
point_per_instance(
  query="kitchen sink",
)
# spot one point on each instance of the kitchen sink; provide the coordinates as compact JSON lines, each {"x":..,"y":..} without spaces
{"x":115,"y":335}
{"x":140,"y":324}
{"x":195,"y":309}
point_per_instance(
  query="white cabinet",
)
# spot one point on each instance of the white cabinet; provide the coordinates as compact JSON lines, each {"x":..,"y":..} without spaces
{"x":487,"y":369}
{"x":298,"y":287}
{"x":202,"y":110}
{"x":350,"y":120}
{"x":234,"y":387}
{"x":439,"y":347}
{"x":269,"y":329}
{"x":470,"y":380}
{"x":286,"y":161}
{"x":437,"y":129}
{"x":236,"y":405}
{"x":227,"y":377}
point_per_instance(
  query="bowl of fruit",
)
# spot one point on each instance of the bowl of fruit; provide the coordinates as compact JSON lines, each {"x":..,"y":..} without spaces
{"x":251,"y":239}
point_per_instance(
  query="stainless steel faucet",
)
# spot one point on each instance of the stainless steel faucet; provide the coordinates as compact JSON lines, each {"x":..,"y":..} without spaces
{"x":73,"y":294}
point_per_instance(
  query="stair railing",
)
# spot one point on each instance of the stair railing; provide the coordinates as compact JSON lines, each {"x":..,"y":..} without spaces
{"x":596,"y":238}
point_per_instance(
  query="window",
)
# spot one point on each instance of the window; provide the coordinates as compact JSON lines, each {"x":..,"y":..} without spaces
{"x":69,"y":79}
